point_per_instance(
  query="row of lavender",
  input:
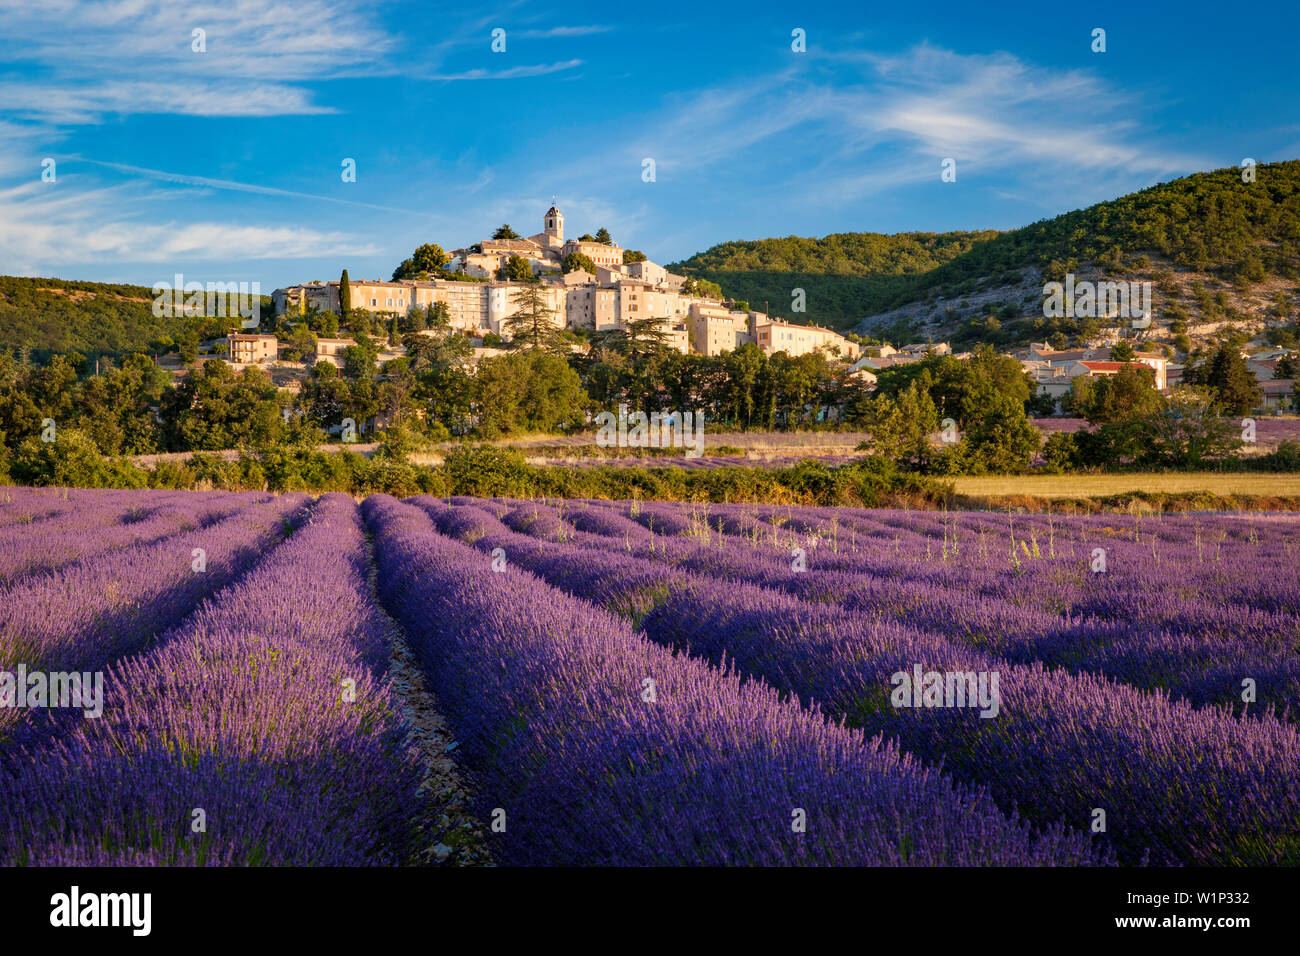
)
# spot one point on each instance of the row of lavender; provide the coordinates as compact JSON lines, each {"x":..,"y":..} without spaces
{"x":1203,"y":628}
{"x":248,"y":716}
{"x":592,"y":745}
{"x":260,"y":727}
{"x":1163,"y":780}
{"x":85,"y":614}
{"x":107,"y":523}
{"x":252,"y":721}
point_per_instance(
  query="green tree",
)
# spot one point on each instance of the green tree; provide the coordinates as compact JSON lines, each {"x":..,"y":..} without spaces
{"x":189,"y":347}
{"x":532,"y":324}
{"x":441,"y":361}
{"x":116,"y":407}
{"x":1230,"y":380}
{"x":20,"y":418}
{"x":528,"y":391}
{"x":1129,"y":393}
{"x":744,"y":369}
{"x":428,"y":258}
{"x":53,"y":388}
{"x":1122,"y":352}
{"x":324,"y":324}
{"x":301,"y":343}
{"x":1002,"y":440}
{"x":1188,"y":432}
{"x":325,"y":399}
{"x":516,"y":269}
{"x":1060,"y":452}
{"x":73,"y":460}
{"x":576,"y":260}
{"x":439,"y":318}
{"x":396,"y":390}
{"x":702,"y":287}
{"x":645,"y":337}
{"x":900,"y":426}
{"x":603,"y":236}
{"x":214,"y":408}
{"x":359,"y":360}
{"x":505,"y":232}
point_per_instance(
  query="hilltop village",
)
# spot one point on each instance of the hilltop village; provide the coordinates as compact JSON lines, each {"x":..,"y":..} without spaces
{"x":584,"y":283}
{"x":590,"y":285}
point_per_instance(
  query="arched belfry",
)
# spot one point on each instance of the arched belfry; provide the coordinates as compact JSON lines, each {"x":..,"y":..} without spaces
{"x":553,"y":224}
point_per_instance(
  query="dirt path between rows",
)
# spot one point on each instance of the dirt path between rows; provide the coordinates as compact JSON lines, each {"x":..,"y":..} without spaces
{"x":453,"y":836}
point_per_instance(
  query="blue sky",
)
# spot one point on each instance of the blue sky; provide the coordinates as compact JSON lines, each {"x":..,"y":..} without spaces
{"x":225,"y":165}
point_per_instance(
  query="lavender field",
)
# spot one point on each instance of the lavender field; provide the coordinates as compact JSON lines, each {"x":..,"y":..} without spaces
{"x":250,"y":679}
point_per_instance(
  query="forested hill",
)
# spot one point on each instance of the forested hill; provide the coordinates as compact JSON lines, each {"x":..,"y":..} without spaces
{"x":50,"y":316}
{"x":842,"y":275}
{"x":1208,"y":222}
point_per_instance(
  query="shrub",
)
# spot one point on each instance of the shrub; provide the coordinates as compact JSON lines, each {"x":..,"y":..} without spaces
{"x":72,"y":460}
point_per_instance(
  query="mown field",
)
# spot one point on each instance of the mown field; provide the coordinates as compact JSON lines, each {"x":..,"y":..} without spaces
{"x":631,"y":683}
{"x":1080,"y":486}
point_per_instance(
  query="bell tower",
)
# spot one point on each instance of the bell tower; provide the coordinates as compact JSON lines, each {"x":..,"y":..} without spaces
{"x":553,"y":224}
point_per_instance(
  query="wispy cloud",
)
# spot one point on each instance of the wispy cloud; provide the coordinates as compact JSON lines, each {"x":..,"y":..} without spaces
{"x":858,"y":124}
{"x":510,"y":73}
{"x":74,"y":63}
{"x":81,"y":104}
{"x":996,"y":108}
{"x":556,"y":32}
{"x":84,"y":60}
{"x":44,"y":226}
{"x":18,"y":143}
{"x":286,"y":40}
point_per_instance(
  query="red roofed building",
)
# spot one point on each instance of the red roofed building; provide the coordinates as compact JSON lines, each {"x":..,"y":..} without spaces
{"x":1096,"y":369}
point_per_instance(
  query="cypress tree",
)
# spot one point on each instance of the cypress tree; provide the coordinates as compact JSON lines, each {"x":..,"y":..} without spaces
{"x":1232,"y":381}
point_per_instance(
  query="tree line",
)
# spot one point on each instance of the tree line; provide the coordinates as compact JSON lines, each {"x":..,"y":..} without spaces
{"x":552,"y":380}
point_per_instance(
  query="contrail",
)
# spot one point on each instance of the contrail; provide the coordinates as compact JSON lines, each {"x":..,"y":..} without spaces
{"x":237,"y":186}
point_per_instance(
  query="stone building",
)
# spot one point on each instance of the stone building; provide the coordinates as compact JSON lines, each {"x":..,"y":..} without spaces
{"x":331,"y":350}
{"x":773,"y":335}
{"x":246,"y":349}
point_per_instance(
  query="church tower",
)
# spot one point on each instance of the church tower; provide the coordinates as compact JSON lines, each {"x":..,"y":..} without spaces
{"x":553,"y":225}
